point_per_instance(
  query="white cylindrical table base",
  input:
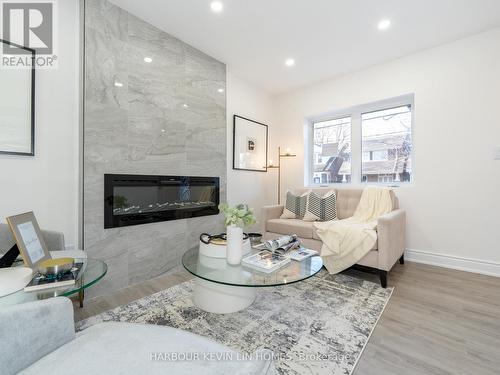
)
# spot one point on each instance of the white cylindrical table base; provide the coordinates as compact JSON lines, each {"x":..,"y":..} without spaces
{"x":220,"y":298}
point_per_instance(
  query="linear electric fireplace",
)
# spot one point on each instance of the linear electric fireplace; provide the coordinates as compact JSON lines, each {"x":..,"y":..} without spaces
{"x":141,"y":199}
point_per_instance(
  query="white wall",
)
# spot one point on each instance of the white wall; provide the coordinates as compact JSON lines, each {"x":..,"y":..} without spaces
{"x":453,"y":206}
{"x":257,"y":189}
{"x":48,"y":182}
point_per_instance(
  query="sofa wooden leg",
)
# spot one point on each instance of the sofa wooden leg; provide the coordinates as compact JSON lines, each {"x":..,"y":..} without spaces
{"x":402,"y":259}
{"x":383,"y":278}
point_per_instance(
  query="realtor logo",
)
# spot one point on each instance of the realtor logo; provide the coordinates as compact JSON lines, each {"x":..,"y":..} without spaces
{"x":29,"y":25}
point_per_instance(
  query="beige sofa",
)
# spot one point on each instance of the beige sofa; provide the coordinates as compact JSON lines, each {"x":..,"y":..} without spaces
{"x":391,"y":228}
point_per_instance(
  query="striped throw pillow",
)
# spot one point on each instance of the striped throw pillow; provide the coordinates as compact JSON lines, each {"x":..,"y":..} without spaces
{"x":295,"y":206}
{"x":321,"y":208}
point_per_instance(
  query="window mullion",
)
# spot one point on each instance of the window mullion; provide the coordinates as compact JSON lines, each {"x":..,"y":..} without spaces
{"x":356,"y":155}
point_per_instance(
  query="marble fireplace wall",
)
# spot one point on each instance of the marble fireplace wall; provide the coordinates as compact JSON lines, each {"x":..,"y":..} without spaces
{"x":166,"y":117}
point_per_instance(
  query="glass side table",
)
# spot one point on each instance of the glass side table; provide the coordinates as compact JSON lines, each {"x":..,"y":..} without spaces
{"x":222,"y":288}
{"x":93,"y":270}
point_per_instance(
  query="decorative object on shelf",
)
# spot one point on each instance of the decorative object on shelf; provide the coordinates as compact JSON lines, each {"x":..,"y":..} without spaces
{"x":17,"y":107}
{"x":29,"y":239}
{"x":249,"y":145}
{"x":281,"y":155}
{"x":235,"y":219}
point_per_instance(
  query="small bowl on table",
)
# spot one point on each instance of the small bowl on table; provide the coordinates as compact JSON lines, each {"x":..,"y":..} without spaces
{"x":255,"y":238}
{"x":56,"y":267}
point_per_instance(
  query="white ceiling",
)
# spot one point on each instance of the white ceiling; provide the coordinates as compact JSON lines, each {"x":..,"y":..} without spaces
{"x":327,"y":38}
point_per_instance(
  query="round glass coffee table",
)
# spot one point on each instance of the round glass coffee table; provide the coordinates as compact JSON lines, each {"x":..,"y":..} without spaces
{"x":93,"y":270}
{"x":222,"y":288}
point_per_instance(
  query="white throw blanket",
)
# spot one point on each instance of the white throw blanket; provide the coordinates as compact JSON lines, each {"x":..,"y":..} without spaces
{"x":346,"y":241}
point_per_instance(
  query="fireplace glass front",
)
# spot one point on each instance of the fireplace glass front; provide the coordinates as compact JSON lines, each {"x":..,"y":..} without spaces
{"x":142,"y":199}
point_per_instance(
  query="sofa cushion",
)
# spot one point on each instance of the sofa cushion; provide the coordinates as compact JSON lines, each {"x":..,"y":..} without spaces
{"x":347,"y":202}
{"x":322,"y":208}
{"x":295,"y":205}
{"x":299,"y":227}
{"x":128,"y":348}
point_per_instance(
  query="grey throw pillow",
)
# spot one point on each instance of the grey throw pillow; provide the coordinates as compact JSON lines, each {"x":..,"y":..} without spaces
{"x":295,"y":206}
{"x":321,"y":208}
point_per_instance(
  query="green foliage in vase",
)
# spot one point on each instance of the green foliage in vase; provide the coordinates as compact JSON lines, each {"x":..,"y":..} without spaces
{"x":239,"y":215}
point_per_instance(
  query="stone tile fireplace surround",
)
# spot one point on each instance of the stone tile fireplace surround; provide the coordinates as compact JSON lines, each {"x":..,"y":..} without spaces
{"x":164,"y":117}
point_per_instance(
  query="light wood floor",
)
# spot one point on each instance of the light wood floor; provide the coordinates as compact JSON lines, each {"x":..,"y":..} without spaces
{"x":438,"y":321}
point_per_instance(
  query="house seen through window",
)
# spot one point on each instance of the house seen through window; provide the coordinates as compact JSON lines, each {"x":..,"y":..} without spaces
{"x":384,"y":139}
{"x":386,"y":145}
{"x":332,"y":151}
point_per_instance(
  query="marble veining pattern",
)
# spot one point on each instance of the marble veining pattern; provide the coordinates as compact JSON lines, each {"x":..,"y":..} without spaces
{"x":165,"y":117}
{"x":317,"y":326}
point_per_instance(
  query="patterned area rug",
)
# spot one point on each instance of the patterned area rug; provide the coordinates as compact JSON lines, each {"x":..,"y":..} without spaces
{"x":317,"y":326}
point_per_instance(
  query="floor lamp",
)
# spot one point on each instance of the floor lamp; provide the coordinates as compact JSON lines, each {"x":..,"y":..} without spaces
{"x":278,"y":167}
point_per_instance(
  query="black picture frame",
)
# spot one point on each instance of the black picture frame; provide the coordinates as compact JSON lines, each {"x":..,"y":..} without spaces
{"x":235,"y":166}
{"x":33,"y":60}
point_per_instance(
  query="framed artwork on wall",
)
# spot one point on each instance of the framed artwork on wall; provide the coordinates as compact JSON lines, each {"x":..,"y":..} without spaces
{"x":249,"y":145}
{"x":17,"y":103}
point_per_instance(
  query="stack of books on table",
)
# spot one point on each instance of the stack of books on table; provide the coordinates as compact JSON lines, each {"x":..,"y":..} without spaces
{"x":277,"y":253}
{"x":40,"y":282}
{"x":265,"y":261}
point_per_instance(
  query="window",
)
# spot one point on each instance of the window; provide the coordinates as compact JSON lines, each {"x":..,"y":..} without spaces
{"x":385,"y":178}
{"x":386,"y":137}
{"x":332,"y":151}
{"x":382,"y":129}
{"x":375,"y":155}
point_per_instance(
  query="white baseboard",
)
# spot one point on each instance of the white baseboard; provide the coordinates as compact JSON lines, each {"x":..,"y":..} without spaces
{"x":453,"y":262}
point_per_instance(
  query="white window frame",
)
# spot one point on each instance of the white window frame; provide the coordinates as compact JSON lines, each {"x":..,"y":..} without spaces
{"x":355,"y":113}
{"x":309,"y":146}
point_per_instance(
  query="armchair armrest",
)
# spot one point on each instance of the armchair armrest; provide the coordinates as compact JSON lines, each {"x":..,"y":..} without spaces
{"x":391,"y":232}
{"x":268,"y":213}
{"x":53,"y":240}
{"x":31,"y":330}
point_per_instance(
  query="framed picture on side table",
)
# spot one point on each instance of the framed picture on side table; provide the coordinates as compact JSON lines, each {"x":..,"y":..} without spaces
{"x":29,"y":239}
{"x":249,"y":145}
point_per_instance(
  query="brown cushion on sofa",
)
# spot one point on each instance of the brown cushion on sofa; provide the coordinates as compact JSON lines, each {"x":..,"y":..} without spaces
{"x":301,"y":228}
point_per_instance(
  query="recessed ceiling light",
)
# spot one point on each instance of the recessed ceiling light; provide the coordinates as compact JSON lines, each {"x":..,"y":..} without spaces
{"x":185,"y":105}
{"x":384,"y":24}
{"x":118,"y":84}
{"x":216,"y":6}
{"x":289,"y":62}
{"x":148,"y":59}
{"x":220,"y":90}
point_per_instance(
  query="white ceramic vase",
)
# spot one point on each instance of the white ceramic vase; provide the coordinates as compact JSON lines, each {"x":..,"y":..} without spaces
{"x":234,"y":245}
